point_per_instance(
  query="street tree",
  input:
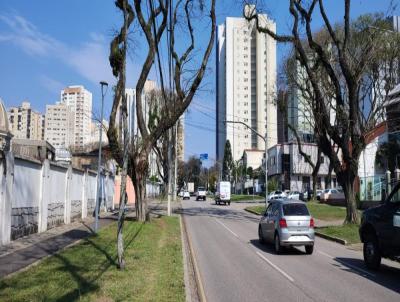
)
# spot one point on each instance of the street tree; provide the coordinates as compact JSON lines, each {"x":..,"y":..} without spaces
{"x":346,"y":67}
{"x":132,"y":152}
{"x":227,"y":164}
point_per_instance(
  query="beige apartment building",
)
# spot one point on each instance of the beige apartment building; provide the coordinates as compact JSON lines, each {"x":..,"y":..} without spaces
{"x":59,"y":126}
{"x":26,"y":123}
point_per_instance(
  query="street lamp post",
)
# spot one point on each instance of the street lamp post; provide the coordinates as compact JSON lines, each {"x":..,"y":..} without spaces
{"x":266,"y":153}
{"x":96,"y":225}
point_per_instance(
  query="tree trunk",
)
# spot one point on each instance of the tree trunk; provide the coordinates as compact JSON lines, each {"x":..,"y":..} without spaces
{"x":121,"y":213}
{"x":139,"y":173}
{"x":351,"y":204}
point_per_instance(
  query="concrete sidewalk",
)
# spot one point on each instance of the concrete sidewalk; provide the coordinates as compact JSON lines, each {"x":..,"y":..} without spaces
{"x":25,"y":251}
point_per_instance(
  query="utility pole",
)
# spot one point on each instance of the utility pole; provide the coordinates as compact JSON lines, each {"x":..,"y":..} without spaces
{"x":169,"y":171}
{"x":96,"y":225}
{"x":265,"y":138}
{"x":176,"y":161}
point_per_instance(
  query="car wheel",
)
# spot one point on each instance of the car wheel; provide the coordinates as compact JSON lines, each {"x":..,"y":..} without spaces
{"x":278,"y":247}
{"x":229,"y":203}
{"x":260,"y":235}
{"x":309,"y":249}
{"x":372,"y":254}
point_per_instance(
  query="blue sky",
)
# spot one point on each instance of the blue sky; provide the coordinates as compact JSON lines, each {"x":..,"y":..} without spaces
{"x":46,"y":45}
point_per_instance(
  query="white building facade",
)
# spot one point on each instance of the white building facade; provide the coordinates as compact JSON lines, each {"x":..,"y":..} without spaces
{"x":59,"y":130}
{"x":79,"y":101}
{"x":246,"y":85}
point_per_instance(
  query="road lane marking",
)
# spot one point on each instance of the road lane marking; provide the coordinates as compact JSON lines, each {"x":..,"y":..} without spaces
{"x":275,"y":267}
{"x":233,"y":233}
{"x":356,"y":268}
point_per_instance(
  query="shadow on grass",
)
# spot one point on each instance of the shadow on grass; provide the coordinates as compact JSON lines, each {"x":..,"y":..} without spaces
{"x":76,"y":269}
{"x":88,"y":285}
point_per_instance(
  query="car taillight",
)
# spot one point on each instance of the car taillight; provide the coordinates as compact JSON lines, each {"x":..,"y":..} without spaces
{"x":311,"y":222}
{"x":282,"y":223}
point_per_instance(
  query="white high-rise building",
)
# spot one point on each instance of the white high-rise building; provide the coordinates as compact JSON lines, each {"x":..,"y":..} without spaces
{"x":79,"y":101}
{"x":246,"y":85}
{"x":59,"y":129}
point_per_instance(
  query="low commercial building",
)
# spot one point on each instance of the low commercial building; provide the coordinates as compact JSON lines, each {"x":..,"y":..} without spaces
{"x":288,"y":167}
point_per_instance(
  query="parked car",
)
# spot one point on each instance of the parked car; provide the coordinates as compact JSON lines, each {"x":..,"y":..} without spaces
{"x":294,"y":195}
{"x":319,"y":192}
{"x":181,"y":194}
{"x":380,"y":230}
{"x":335,"y":194}
{"x":276,"y":194}
{"x":223,"y":193}
{"x":201,"y":193}
{"x":287,"y":222}
{"x":186,"y":195}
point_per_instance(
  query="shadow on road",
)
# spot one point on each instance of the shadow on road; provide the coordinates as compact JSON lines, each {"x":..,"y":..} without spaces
{"x":387,"y":276}
{"x":223,"y":212}
{"x":269,"y":248}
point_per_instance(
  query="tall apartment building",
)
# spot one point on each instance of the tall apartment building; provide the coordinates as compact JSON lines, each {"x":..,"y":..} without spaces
{"x":26,"y":123}
{"x":150,"y":88}
{"x":299,"y":112}
{"x":246,"y":85}
{"x":59,"y":126}
{"x":79,"y":101}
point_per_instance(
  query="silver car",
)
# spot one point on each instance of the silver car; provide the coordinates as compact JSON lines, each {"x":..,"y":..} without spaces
{"x":287,"y":223}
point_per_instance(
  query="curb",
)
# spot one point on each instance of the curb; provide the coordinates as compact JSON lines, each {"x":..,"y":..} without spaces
{"x":252,"y":212}
{"x":196,"y":270}
{"x":331,"y":238}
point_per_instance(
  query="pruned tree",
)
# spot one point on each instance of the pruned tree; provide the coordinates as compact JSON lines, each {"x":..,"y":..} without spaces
{"x":346,"y":58}
{"x":153,"y":21}
{"x":119,"y":140}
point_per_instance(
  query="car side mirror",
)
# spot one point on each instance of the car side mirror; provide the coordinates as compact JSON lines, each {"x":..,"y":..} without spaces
{"x":265,"y":214}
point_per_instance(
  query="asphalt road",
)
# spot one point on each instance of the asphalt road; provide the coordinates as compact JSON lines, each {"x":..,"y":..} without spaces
{"x":235,"y":267}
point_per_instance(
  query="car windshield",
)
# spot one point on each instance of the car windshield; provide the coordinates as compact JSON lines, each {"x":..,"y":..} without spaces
{"x":201,"y":188}
{"x":278,"y":192}
{"x":295,"y":209}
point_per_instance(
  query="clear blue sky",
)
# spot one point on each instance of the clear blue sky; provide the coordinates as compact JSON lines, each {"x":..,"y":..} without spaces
{"x":46,"y":45}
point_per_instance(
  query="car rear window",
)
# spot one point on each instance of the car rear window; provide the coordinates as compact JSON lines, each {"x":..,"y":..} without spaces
{"x":295,"y":209}
{"x":201,"y":189}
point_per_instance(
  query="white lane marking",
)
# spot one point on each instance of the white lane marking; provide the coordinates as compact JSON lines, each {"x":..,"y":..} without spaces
{"x":275,"y":267}
{"x":233,"y":233}
{"x":344,"y":263}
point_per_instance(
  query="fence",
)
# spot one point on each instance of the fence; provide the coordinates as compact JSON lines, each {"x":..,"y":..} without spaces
{"x":36,"y":196}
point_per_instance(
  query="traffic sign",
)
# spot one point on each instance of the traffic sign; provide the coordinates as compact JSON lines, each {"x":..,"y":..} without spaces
{"x":204,"y":156}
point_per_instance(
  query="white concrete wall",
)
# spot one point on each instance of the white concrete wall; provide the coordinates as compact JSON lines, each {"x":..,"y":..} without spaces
{"x":25,"y":198}
{"x":36,"y":196}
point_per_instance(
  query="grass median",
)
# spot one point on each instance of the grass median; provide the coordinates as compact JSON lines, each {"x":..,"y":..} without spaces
{"x":326,"y":213}
{"x":244,"y":197}
{"x":87,"y":271}
{"x":348,"y":232}
{"x":317,"y":210}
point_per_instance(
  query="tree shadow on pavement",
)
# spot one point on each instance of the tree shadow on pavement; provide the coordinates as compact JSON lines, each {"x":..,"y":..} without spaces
{"x":387,"y":276}
{"x":269,"y":248}
{"x":225,"y":213}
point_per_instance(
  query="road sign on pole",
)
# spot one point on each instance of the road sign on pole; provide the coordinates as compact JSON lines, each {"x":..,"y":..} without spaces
{"x":204,"y":156}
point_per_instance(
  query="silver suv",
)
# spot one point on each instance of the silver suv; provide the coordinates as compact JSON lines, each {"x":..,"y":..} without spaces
{"x":287,"y":223}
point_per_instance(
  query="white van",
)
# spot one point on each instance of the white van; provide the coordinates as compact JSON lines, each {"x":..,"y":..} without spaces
{"x":223,"y":193}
